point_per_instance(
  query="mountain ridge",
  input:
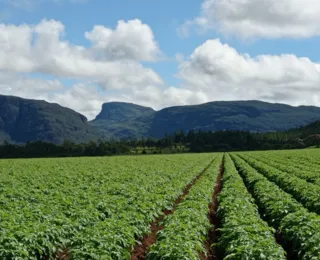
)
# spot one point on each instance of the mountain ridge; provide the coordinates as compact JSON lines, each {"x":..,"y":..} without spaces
{"x":23,"y":120}
{"x":252,"y":115}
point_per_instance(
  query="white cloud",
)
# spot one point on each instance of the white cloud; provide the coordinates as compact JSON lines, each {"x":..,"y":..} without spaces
{"x":111,"y":70}
{"x":258,"y":18}
{"x":83,"y":98}
{"x":166,"y":96}
{"x":214,"y":71}
{"x":41,"y":48}
{"x":87,"y":98}
{"x":118,"y":75}
{"x":130,"y":40}
{"x":15,"y":47}
{"x":13,"y":84}
{"x":222,"y":73}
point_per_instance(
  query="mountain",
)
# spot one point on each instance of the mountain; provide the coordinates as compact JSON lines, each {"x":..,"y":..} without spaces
{"x":128,"y":121}
{"x":121,"y":111}
{"x":123,"y":120}
{"x":23,"y":120}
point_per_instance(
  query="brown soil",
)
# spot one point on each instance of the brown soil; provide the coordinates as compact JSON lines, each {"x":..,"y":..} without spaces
{"x":61,"y":255}
{"x":291,"y":254}
{"x":141,"y":249}
{"x":64,"y":255}
{"x":214,"y":233}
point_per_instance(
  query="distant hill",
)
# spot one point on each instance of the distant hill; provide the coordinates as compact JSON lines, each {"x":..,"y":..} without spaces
{"x":123,"y":120}
{"x":23,"y":120}
{"x":232,"y":115}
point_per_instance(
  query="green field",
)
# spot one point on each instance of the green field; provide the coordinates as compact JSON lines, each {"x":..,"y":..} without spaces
{"x":248,"y":205}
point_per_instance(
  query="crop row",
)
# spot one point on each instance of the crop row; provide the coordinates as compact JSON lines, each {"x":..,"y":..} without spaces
{"x":306,"y":193}
{"x":91,"y":208}
{"x":298,"y":228}
{"x":244,"y":235}
{"x":185,"y":231}
{"x":305,"y":157}
{"x":309,"y":173}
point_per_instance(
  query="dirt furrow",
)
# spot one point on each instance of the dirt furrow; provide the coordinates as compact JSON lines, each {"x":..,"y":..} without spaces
{"x":214,"y":233}
{"x":141,"y":248}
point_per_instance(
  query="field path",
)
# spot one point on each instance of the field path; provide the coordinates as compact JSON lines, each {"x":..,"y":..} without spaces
{"x":141,"y":248}
{"x":214,"y":220}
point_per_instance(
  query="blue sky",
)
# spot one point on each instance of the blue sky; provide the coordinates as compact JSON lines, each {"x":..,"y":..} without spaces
{"x":175,"y":53}
{"x":164,"y":17}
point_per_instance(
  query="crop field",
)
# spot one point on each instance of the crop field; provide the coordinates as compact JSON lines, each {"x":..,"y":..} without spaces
{"x":243,"y":205}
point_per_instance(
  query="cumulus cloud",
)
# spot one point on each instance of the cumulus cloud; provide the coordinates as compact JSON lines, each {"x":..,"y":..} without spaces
{"x":166,"y":96}
{"x":225,"y":74}
{"x":41,"y":48}
{"x":81,"y":97}
{"x":258,"y":18}
{"x":13,"y":84}
{"x":111,"y":69}
{"x":87,"y":98}
{"x":130,"y":40}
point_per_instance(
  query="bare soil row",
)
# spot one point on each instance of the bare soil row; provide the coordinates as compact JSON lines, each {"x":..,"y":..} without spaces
{"x":141,"y":248}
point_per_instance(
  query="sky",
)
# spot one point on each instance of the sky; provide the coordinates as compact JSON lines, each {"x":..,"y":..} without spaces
{"x":83,"y":53}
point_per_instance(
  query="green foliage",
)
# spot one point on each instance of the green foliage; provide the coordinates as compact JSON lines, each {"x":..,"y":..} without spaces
{"x":233,"y":115}
{"x":210,"y":127}
{"x":306,"y":193}
{"x":41,"y":149}
{"x":304,"y":168}
{"x":123,"y":120}
{"x":303,"y":228}
{"x":299,"y":228}
{"x":185,"y":232}
{"x":95,"y":207}
{"x":244,"y":235}
{"x":23,"y":120}
{"x":98,"y":208}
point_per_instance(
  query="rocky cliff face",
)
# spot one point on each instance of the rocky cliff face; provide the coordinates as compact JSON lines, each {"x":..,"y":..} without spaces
{"x":123,"y":120}
{"x":26,"y":120}
{"x":120,"y":111}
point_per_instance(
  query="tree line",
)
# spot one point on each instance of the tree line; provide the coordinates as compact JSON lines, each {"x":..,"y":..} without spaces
{"x":192,"y":141}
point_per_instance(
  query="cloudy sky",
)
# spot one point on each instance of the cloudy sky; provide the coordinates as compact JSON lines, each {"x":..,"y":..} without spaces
{"x":82,"y":53}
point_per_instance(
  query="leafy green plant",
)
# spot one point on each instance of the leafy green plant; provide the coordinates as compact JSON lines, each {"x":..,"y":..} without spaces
{"x":95,"y":208}
{"x":303,"y":168}
{"x":299,"y":228}
{"x":306,"y":193}
{"x":244,"y":235}
{"x":186,"y":230}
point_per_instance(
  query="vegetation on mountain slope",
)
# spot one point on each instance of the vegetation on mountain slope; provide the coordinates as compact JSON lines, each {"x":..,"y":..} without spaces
{"x":23,"y":120}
